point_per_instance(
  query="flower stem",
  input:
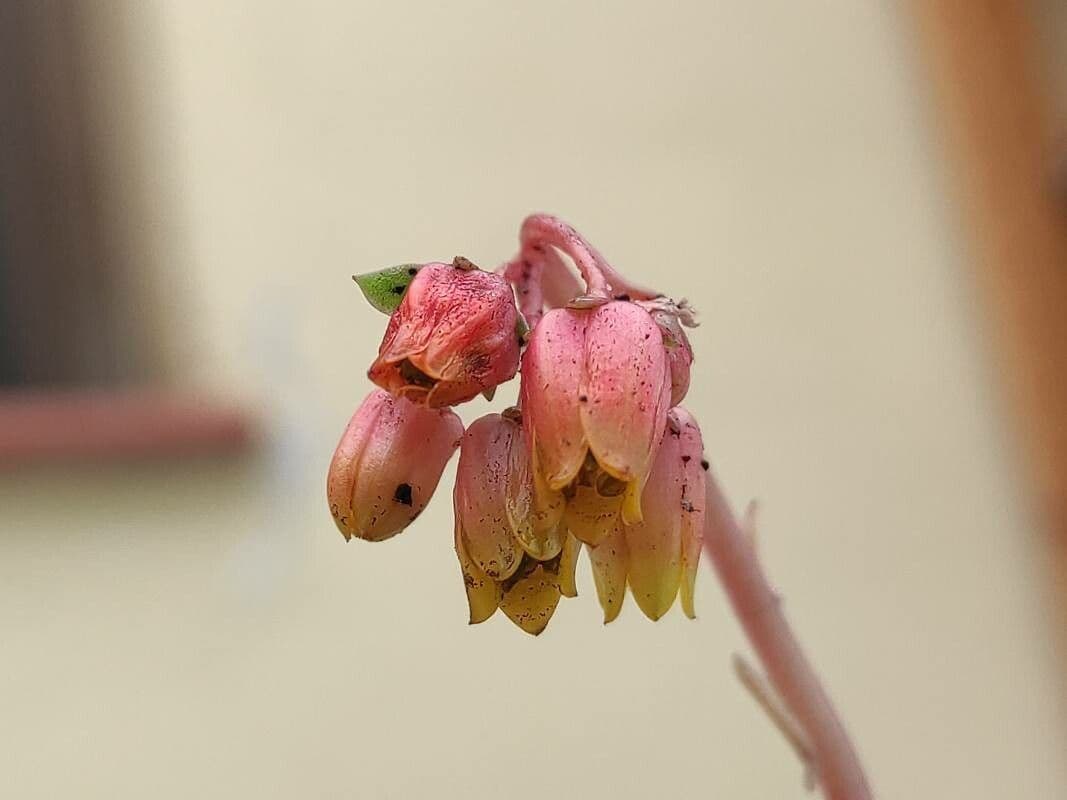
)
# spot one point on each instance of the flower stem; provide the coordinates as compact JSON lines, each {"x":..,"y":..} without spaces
{"x":836,"y":764}
{"x":601,"y":279}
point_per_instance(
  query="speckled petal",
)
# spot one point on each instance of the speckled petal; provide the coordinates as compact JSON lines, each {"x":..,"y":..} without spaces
{"x":341,"y":477}
{"x":591,"y":517}
{"x":610,"y":562}
{"x":679,"y":353}
{"x":388,"y":464}
{"x":531,"y":596}
{"x":627,"y":393}
{"x":452,"y":337}
{"x":568,"y":564}
{"x":483,"y":593}
{"x":481,"y":483}
{"x":552,"y":368}
{"x":534,"y":515}
{"x":655,"y":545}
{"x":691,"y":445}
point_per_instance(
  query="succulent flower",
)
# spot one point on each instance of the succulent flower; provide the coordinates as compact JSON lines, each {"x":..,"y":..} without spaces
{"x":596,"y":387}
{"x":658,"y":556}
{"x":387,"y":465}
{"x":514,"y":553}
{"x":452,"y":337}
{"x":593,"y":455}
{"x":598,"y":454}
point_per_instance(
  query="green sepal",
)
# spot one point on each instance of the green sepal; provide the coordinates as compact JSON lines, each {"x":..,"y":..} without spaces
{"x":384,"y":289}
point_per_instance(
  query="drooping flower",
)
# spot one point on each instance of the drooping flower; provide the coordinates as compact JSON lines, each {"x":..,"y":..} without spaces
{"x":597,"y":452}
{"x":658,"y":556}
{"x":387,"y":465}
{"x":452,"y":338}
{"x":596,"y":383}
{"x":679,"y":351}
{"x":514,"y":552}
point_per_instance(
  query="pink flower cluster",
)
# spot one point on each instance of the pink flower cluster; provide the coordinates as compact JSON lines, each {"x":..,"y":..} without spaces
{"x":597,"y":453}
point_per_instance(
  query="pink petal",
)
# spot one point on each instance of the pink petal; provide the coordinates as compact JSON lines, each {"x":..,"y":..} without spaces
{"x":691,"y":445}
{"x":458,"y":328}
{"x":552,"y":370}
{"x":481,"y":487}
{"x":679,"y":353}
{"x":534,"y":515}
{"x":626,"y":393}
{"x":388,"y":464}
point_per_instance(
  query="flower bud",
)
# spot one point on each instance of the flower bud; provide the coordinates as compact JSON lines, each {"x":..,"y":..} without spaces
{"x":388,"y":464}
{"x":453,"y":337}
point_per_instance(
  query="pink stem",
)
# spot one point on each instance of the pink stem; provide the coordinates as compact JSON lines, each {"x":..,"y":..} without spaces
{"x":756,"y":605}
{"x":542,"y":230}
{"x":525,"y":274}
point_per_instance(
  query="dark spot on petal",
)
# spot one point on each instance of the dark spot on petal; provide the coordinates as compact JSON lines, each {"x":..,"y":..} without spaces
{"x":685,"y":459}
{"x":704,"y":464}
{"x":583,"y":399}
{"x":403,"y":493}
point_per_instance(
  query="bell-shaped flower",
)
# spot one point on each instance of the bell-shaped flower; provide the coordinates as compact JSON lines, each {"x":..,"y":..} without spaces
{"x":453,"y":336}
{"x":679,"y":352}
{"x":597,"y":382}
{"x":513,"y":550}
{"x":658,"y":556}
{"x":388,"y":464}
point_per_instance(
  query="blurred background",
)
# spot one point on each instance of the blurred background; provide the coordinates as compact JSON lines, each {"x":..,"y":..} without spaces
{"x":864,"y":200}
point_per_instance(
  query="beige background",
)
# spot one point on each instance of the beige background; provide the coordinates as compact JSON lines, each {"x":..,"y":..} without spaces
{"x":201,"y":630}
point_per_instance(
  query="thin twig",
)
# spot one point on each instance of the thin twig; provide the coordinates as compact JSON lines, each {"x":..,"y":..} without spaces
{"x":759,"y":612}
{"x":764,"y":695}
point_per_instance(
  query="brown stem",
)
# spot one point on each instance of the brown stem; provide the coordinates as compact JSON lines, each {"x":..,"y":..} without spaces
{"x":757,"y":607}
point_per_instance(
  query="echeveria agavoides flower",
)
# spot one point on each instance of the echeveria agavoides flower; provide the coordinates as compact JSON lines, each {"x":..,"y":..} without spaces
{"x":658,"y":556}
{"x":388,"y":464}
{"x":453,"y":336}
{"x":597,"y":382}
{"x":595,"y":454}
{"x":514,"y":553}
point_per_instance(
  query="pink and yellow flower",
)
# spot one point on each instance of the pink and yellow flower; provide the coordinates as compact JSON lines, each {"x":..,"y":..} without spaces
{"x":597,"y":453}
{"x":387,"y":465}
{"x":596,"y":387}
{"x":514,"y":554}
{"x":658,"y":556}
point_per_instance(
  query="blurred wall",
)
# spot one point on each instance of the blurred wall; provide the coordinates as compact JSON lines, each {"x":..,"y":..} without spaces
{"x":204,"y":630}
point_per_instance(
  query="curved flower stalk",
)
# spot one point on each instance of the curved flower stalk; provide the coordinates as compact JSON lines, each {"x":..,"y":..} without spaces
{"x":599,"y":454}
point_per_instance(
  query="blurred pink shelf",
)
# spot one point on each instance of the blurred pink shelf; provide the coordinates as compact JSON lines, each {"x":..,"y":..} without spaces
{"x":111,"y":424}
